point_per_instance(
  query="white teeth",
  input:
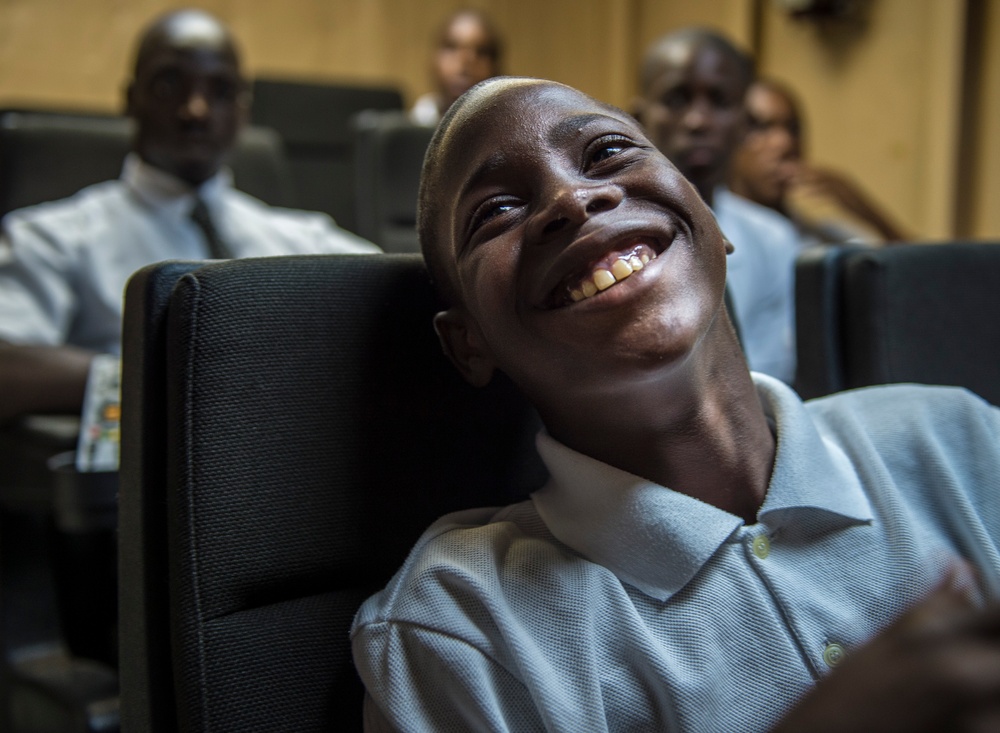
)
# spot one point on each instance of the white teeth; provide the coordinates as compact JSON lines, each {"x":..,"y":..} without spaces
{"x":602,"y":278}
{"x":621,"y":269}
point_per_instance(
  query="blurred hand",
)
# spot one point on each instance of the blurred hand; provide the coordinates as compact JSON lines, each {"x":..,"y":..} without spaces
{"x":936,"y":669}
{"x":832,"y":186}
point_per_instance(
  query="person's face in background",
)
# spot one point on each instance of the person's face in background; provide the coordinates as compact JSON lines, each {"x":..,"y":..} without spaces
{"x":466,"y":55}
{"x":693,"y":111}
{"x":188,"y":98}
{"x":764,"y":165}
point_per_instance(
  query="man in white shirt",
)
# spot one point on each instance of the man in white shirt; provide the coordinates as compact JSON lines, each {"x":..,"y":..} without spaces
{"x":693,"y":83}
{"x":64,"y":265}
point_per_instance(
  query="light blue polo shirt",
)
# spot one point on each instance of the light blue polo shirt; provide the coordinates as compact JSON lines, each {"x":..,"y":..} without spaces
{"x":608,"y":603}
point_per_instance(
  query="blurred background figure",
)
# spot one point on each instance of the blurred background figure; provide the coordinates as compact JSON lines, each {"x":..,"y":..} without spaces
{"x":825,"y":206}
{"x":468,"y":51}
{"x":64,"y":264}
{"x":693,"y":83}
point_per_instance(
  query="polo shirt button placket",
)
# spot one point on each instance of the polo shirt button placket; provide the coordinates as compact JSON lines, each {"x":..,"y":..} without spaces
{"x":833,"y":654}
{"x":761,"y":546}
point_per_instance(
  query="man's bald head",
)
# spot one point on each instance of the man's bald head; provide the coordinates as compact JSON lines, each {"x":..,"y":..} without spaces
{"x":187,"y":96}
{"x":667,"y":50}
{"x":185,"y":29}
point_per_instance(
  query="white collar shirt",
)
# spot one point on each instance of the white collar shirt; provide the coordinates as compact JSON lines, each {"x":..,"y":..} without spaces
{"x":64,"y":264}
{"x":761,"y":275}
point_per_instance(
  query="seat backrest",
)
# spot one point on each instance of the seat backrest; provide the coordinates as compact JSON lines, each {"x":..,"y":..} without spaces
{"x":388,"y":155}
{"x":314,"y":121}
{"x":47,"y":155}
{"x":311,"y":429}
{"x":926,"y":313}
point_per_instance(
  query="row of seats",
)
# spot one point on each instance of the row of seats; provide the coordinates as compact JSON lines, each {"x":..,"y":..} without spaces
{"x":308,"y":149}
{"x":244,"y":554}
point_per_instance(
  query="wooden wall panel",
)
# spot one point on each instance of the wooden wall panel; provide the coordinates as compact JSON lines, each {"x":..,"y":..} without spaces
{"x":979,"y":211}
{"x":882,"y":103}
{"x":67,"y":52}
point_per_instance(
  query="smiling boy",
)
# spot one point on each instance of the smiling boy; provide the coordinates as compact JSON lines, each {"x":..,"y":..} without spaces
{"x":707,"y":547}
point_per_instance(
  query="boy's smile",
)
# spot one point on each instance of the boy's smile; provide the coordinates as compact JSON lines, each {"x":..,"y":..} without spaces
{"x":576,"y":248}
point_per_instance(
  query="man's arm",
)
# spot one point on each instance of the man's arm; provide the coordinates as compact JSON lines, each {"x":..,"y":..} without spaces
{"x":41,"y":379}
{"x":835,"y":187}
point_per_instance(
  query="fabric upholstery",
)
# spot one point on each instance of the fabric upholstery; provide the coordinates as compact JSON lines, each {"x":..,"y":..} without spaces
{"x":388,"y":155}
{"x":314,"y":122}
{"x":927,"y":313}
{"x":313,"y":430}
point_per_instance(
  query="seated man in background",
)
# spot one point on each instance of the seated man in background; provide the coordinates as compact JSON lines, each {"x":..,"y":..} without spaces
{"x":825,"y":206}
{"x":64,"y":265}
{"x":467,"y":52}
{"x":710,"y":554}
{"x":693,"y":84}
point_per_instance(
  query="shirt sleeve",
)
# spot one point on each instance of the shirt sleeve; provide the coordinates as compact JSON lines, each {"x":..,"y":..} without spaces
{"x":255,"y":229}
{"x":37,"y":299}
{"x":419,"y":679}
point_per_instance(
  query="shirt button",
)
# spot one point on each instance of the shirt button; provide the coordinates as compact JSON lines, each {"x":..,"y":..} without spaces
{"x":833,"y":654}
{"x":761,"y":546}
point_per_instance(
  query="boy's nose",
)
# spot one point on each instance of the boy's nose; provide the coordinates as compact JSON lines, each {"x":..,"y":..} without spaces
{"x":571,"y":205}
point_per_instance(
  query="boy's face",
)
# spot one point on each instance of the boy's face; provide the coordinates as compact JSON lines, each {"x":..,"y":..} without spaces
{"x":579,"y":253}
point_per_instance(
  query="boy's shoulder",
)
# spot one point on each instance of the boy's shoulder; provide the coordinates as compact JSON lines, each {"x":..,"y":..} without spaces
{"x":903,"y":416}
{"x":466,"y":559}
{"x":916,"y":400}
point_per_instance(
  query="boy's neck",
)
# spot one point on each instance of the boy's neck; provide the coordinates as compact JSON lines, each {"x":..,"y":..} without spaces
{"x":708,"y":439}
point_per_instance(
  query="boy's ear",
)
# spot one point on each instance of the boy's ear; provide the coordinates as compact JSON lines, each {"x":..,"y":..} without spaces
{"x":463,"y":343}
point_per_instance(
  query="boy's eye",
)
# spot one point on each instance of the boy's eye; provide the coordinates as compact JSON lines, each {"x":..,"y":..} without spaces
{"x":488,"y":211}
{"x":607,"y":147}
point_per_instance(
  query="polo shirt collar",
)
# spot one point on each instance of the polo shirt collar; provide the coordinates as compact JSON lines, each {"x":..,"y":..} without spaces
{"x":167,"y":193}
{"x":657,"y":539}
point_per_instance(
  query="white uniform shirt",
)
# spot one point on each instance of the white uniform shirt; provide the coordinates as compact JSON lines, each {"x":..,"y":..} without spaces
{"x":64,"y":264}
{"x":761,"y":279}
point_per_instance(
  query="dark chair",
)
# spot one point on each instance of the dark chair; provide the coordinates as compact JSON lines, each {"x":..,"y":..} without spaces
{"x":287,"y":435}
{"x":47,"y":155}
{"x":57,"y":584}
{"x":926,"y":313}
{"x":388,"y":155}
{"x":314,"y":121}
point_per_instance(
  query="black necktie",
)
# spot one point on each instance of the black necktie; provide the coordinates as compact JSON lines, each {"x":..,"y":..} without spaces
{"x":216,"y":247}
